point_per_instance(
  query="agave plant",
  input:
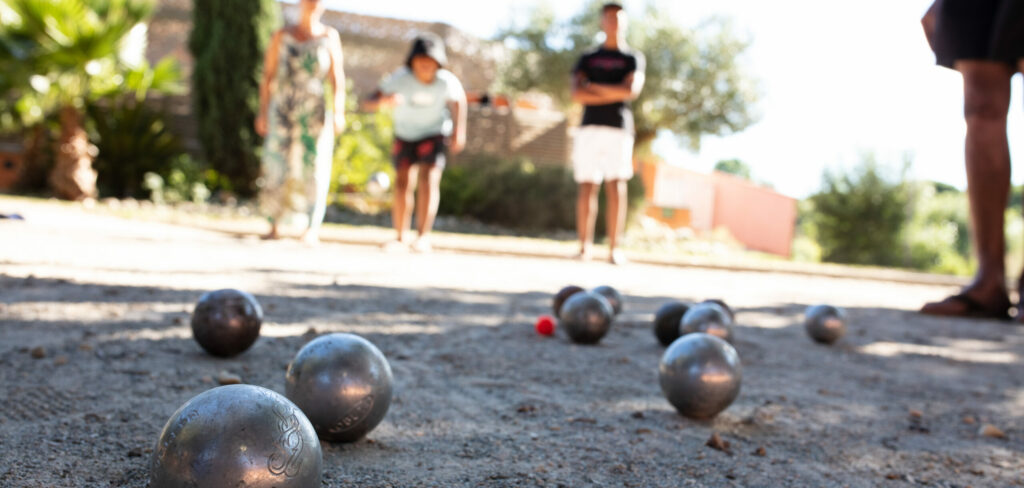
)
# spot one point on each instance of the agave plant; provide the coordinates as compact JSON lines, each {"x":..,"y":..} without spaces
{"x":64,"y":54}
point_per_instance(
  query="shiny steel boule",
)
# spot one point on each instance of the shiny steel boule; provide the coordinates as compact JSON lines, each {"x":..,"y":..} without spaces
{"x":666,"y":321}
{"x":586,"y":317}
{"x":612,"y":295}
{"x":709,"y":318}
{"x":562,"y":296}
{"x":226,"y":322}
{"x":825,"y":323}
{"x":700,"y":375}
{"x":725,"y":306}
{"x":238,"y":435}
{"x":343,"y":384}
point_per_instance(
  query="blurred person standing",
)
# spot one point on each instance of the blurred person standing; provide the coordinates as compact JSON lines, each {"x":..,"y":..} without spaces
{"x":302,"y":109}
{"x":430,"y":111}
{"x":605,"y":81}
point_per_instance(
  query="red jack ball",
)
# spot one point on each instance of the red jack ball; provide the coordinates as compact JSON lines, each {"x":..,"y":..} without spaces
{"x":545,"y":325}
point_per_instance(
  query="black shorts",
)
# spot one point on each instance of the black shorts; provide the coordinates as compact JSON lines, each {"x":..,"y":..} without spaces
{"x":430,"y":151}
{"x":991,"y":30}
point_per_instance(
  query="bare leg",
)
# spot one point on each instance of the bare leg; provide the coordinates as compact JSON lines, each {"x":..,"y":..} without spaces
{"x":616,"y":218}
{"x":273,"y":234}
{"x":427,"y":200}
{"x":316,"y":216}
{"x":986,"y":103}
{"x":586,"y":217}
{"x":401,"y":212}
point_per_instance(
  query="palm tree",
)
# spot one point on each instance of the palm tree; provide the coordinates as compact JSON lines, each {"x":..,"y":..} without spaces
{"x":64,"y":54}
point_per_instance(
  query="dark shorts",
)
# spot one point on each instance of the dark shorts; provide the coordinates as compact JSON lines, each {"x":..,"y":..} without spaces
{"x":991,"y":30}
{"x":430,"y":151}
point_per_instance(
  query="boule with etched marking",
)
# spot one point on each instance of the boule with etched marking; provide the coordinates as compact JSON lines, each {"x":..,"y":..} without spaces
{"x":586,"y":317}
{"x":666,"y":321}
{"x":824,"y":323}
{"x":707,"y":317}
{"x":238,"y":435}
{"x":343,"y":384}
{"x":700,"y":375}
{"x":226,"y":322}
{"x":612,"y":295}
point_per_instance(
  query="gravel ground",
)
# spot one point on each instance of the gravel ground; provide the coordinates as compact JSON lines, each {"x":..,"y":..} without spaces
{"x":96,"y":353}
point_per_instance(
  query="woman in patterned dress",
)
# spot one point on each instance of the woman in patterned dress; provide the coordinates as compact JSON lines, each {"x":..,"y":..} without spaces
{"x":298,"y":120}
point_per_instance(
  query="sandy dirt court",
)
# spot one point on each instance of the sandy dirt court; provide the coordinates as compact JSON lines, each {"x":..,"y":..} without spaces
{"x":96,"y":353}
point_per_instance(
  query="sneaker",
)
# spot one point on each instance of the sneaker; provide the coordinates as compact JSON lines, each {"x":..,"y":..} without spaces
{"x":422,"y":245}
{"x":395,"y":246}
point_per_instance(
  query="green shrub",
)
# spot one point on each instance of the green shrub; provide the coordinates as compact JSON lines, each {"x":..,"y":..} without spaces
{"x":132,"y":140}
{"x":515,"y":193}
{"x":363,"y":149}
{"x":937,"y":234}
{"x":859,"y":216}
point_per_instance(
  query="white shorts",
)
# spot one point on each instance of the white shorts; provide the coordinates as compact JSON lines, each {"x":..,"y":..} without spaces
{"x":602,"y":153}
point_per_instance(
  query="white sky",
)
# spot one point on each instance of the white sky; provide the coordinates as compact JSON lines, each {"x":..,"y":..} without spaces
{"x":838,"y":79}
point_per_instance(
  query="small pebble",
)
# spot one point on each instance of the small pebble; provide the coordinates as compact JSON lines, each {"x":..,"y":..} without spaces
{"x":716,"y":442}
{"x":61,"y":360}
{"x":85,"y":347}
{"x":38,"y":353}
{"x":990,"y":430}
{"x":916,"y":414}
{"x":761,"y":452}
{"x":970,"y":420}
{"x":225,"y":378}
{"x":207,"y":379}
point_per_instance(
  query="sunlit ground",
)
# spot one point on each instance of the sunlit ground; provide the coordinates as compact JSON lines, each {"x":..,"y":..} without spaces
{"x":481,"y":400}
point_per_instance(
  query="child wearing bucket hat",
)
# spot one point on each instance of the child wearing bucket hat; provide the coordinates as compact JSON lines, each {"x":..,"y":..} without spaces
{"x":430,"y":122}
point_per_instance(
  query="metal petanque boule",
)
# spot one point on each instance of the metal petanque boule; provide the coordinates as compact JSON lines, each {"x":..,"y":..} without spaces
{"x":824,"y":323}
{"x":725,"y":306}
{"x":586,"y":317}
{"x":612,"y":295}
{"x":226,"y":322}
{"x":667,"y":320}
{"x":562,"y":296}
{"x":700,"y":375}
{"x":342,"y":382}
{"x":707,"y":317}
{"x":238,"y":435}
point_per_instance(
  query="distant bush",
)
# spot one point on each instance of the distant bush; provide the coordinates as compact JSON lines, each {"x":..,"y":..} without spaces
{"x":132,"y":140}
{"x":864,"y":216}
{"x":517,"y":194}
{"x":363,"y":149}
{"x":937,"y":234}
{"x":858,"y":216}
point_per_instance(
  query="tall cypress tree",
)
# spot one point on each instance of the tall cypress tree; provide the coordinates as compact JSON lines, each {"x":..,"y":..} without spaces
{"x":227,"y":43}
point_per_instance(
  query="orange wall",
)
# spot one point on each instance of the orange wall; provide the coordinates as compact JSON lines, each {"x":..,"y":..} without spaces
{"x":758,"y":217}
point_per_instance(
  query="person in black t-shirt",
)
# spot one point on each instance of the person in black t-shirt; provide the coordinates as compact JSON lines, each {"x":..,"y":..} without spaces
{"x":605,"y":81}
{"x":984,"y":41}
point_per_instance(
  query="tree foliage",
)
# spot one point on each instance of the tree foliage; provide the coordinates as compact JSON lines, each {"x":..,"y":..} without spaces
{"x":734,"y":167}
{"x":696,"y":85}
{"x":60,"y":56}
{"x":228,"y":40}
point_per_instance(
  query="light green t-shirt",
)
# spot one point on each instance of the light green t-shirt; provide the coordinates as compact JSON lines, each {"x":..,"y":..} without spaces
{"x":422,"y":110}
